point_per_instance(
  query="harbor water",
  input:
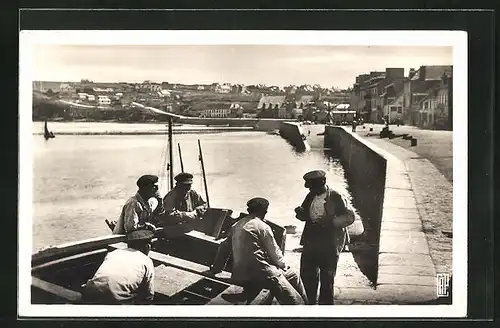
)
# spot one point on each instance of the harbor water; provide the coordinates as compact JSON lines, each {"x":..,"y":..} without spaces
{"x":81,"y":180}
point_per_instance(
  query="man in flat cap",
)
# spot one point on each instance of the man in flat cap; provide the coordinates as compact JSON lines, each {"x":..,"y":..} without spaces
{"x":326,"y":214}
{"x":183,"y":205}
{"x":126,"y":276}
{"x":257,"y":259}
{"x":138,"y":213}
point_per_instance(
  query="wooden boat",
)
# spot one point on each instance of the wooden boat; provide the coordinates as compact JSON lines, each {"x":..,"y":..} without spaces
{"x":181,"y":266}
{"x":181,"y":263}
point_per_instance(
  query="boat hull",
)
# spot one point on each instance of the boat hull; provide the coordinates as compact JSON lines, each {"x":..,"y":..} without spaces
{"x":181,"y":266}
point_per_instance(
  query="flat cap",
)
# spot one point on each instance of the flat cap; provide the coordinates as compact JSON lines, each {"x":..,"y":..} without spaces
{"x":313,"y":175}
{"x":147,"y":180}
{"x":258,"y":203}
{"x":144,"y":235}
{"x":184,"y":178}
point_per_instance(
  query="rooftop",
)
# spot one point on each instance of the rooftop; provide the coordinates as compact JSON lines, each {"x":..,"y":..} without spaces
{"x":434,"y":72}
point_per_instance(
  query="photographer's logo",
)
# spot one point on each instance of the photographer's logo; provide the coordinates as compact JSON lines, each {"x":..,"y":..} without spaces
{"x":443,"y":284}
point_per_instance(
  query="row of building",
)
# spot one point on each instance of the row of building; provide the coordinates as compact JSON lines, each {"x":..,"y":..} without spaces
{"x":423,"y":98}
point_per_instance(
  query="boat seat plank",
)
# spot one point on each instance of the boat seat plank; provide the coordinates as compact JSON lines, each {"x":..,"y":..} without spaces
{"x":67,"y":294}
{"x":178,"y":263}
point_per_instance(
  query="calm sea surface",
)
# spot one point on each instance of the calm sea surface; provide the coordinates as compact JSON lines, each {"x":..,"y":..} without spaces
{"x":80,"y":180}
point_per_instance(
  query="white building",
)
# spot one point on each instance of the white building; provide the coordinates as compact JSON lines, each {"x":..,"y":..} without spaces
{"x":223,"y":88}
{"x":343,"y":107}
{"x":90,"y":97}
{"x":102,"y":89}
{"x":82,"y":96}
{"x":216,"y":112}
{"x":394,"y":109}
{"x":103,"y":100}
{"x":66,"y":87}
{"x":164,"y":93}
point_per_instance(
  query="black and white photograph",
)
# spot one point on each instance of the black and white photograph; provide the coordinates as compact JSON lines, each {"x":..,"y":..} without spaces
{"x":200,"y":173}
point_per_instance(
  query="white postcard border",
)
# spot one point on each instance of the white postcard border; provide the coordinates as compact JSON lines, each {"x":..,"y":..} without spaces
{"x":455,"y":39}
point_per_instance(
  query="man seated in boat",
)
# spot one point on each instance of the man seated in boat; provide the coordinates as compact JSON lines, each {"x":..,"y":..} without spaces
{"x":183,"y":206}
{"x":138,"y":212}
{"x":126,"y":276}
{"x":257,"y":259}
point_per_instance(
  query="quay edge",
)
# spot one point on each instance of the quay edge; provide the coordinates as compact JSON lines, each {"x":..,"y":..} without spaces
{"x":383,"y":194}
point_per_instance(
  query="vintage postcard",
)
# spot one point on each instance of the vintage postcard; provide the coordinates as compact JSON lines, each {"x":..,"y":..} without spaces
{"x":202,"y":172}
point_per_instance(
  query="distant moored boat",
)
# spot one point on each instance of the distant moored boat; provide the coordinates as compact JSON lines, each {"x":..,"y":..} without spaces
{"x":48,"y":134}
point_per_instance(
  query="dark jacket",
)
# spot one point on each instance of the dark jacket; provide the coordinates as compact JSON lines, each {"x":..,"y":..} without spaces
{"x":323,"y":233}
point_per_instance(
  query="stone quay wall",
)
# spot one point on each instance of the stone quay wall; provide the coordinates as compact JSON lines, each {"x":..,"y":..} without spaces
{"x":384,"y":196}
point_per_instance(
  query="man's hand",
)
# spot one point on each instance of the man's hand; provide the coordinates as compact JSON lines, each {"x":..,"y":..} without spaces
{"x":176,"y":214}
{"x":200,"y":211}
{"x":150,"y":226}
{"x":300,"y":213}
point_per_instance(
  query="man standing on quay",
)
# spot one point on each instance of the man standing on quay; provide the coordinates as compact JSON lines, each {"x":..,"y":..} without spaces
{"x":326,"y":214}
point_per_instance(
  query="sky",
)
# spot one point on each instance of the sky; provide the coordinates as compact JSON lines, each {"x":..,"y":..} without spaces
{"x":329,"y":66}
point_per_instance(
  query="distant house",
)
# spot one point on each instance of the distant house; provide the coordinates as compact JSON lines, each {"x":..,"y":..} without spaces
{"x":394,"y":109}
{"x":269,"y":106}
{"x":416,"y":89}
{"x":90,"y":97}
{"x":102,"y":90}
{"x":66,"y":88}
{"x":342,"y":107}
{"x":216,"y":112}
{"x":223,"y":88}
{"x":304,"y":101}
{"x":103,"y":100}
{"x":236,"y":110}
{"x":200,"y":87}
{"x":435,"y":107}
{"x":244,"y":90}
{"x":149,"y":86}
{"x":164,"y":93}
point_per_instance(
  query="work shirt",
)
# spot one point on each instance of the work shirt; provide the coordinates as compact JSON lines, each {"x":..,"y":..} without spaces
{"x":319,"y":231}
{"x":135,"y":213}
{"x":256,"y":255}
{"x":317,"y":209}
{"x":186,"y":204}
{"x":125,"y":276}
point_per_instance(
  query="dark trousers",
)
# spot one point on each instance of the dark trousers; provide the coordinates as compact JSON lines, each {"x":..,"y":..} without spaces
{"x":319,"y":261}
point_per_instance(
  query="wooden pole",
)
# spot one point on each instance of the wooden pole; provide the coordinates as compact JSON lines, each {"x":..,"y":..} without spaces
{"x":203,"y":172}
{"x":180,"y":157}
{"x":170,"y":153}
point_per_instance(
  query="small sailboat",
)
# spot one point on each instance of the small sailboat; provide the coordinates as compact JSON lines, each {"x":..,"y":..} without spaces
{"x":48,"y":134}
